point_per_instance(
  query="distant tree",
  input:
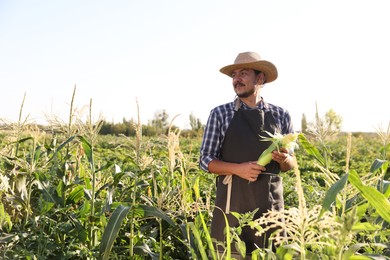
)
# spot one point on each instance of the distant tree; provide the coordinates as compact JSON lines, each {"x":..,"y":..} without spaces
{"x":196,"y":128}
{"x":195,"y":123}
{"x":129,"y":126}
{"x":105,"y":129}
{"x":148,"y":130}
{"x":118,"y":129}
{"x":160,"y":121}
{"x":126,"y":127}
{"x":304,"y":124}
{"x":158,"y":125}
{"x":333,"y":121}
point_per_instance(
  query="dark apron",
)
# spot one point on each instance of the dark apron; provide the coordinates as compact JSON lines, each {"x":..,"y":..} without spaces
{"x":242,"y":144}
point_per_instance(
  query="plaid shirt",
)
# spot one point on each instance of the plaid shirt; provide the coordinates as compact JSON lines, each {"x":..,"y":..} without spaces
{"x":219,"y":120}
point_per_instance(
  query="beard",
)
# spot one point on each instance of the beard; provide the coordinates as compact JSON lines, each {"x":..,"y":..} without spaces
{"x":246,"y":94}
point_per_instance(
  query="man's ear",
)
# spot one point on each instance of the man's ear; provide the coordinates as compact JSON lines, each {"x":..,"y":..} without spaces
{"x":260,"y":78}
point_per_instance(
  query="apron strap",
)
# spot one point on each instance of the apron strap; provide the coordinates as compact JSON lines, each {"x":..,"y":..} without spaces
{"x":237,"y":104}
{"x":228,"y":181}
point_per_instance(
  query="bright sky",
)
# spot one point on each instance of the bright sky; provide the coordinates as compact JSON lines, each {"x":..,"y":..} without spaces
{"x":167,"y":55}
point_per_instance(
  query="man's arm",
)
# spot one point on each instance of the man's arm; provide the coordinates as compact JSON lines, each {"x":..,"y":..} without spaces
{"x":246,"y":170}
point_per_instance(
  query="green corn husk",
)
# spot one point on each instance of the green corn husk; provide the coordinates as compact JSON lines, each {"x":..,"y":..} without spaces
{"x":266,"y":156}
{"x":287,"y":141}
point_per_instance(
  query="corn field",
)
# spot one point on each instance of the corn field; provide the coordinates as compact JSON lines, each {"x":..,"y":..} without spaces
{"x":69,"y":193}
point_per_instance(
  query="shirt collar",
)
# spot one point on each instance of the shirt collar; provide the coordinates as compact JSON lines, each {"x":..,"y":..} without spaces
{"x":260,"y":105}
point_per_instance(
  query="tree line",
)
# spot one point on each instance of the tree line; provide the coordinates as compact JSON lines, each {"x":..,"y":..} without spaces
{"x":160,"y":124}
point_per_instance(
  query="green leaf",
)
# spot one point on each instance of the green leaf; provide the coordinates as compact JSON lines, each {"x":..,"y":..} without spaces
{"x":377,"y":164}
{"x":75,"y":195}
{"x":372,"y":195}
{"x":6,"y":238}
{"x":228,"y":235}
{"x":88,"y":194}
{"x":365,"y":226}
{"x":70,"y":139}
{"x":209,"y":241}
{"x":87,"y":148}
{"x":111,"y":231}
{"x":150,"y":211}
{"x":196,"y":189}
{"x":46,"y":206}
{"x":37,"y":153}
{"x":105,"y":167}
{"x":362,"y":209}
{"x":199,"y":241}
{"x":44,"y":186}
{"x":145,"y":249}
{"x":5,"y":219}
{"x":241,"y":248}
{"x":60,"y":188}
{"x":331,"y":194}
{"x":311,"y":149}
{"x":352,"y":250}
{"x":118,"y":176}
{"x":24,"y":140}
{"x":362,"y":257}
{"x":386,"y":188}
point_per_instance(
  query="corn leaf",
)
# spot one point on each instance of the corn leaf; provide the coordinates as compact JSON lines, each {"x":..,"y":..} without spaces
{"x":37,"y":153}
{"x":364,"y":257}
{"x":87,"y":148}
{"x":352,"y":250}
{"x":365,"y":226}
{"x":331,"y":194}
{"x":311,"y":149}
{"x":377,"y":164}
{"x":372,"y":195}
{"x":111,"y":231}
{"x":70,"y":139}
{"x":386,"y":188}
{"x":150,"y":211}
{"x":228,"y":244}
{"x":7,"y":238}
{"x":143,"y":249}
{"x":204,"y":224}
{"x":75,"y":195}
{"x":199,"y":241}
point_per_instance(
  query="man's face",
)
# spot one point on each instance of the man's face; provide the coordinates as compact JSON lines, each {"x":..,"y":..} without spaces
{"x":244,"y":82}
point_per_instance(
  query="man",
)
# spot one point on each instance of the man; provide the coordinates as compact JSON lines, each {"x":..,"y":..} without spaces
{"x":232,"y":144}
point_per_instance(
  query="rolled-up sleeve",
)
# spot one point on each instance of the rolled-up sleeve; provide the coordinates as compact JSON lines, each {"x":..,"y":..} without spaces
{"x":211,"y":141}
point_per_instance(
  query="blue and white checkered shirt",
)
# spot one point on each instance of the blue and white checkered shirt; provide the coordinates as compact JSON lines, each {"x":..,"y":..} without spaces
{"x":219,"y":120}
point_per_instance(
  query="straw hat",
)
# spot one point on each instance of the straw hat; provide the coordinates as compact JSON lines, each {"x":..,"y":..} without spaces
{"x":252,"y":60}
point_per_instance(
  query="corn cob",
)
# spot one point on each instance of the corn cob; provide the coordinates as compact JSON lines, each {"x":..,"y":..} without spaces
{"x":266,"y":156}
{"x":287,"y":141}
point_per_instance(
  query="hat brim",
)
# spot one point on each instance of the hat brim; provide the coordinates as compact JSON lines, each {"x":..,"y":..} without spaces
{"x":269,"y":69}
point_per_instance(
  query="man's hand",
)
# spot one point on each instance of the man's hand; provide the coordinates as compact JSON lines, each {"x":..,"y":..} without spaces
{"x":249,"y":170}
{"x":284,"y":159}
{"x":246,"y":170}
